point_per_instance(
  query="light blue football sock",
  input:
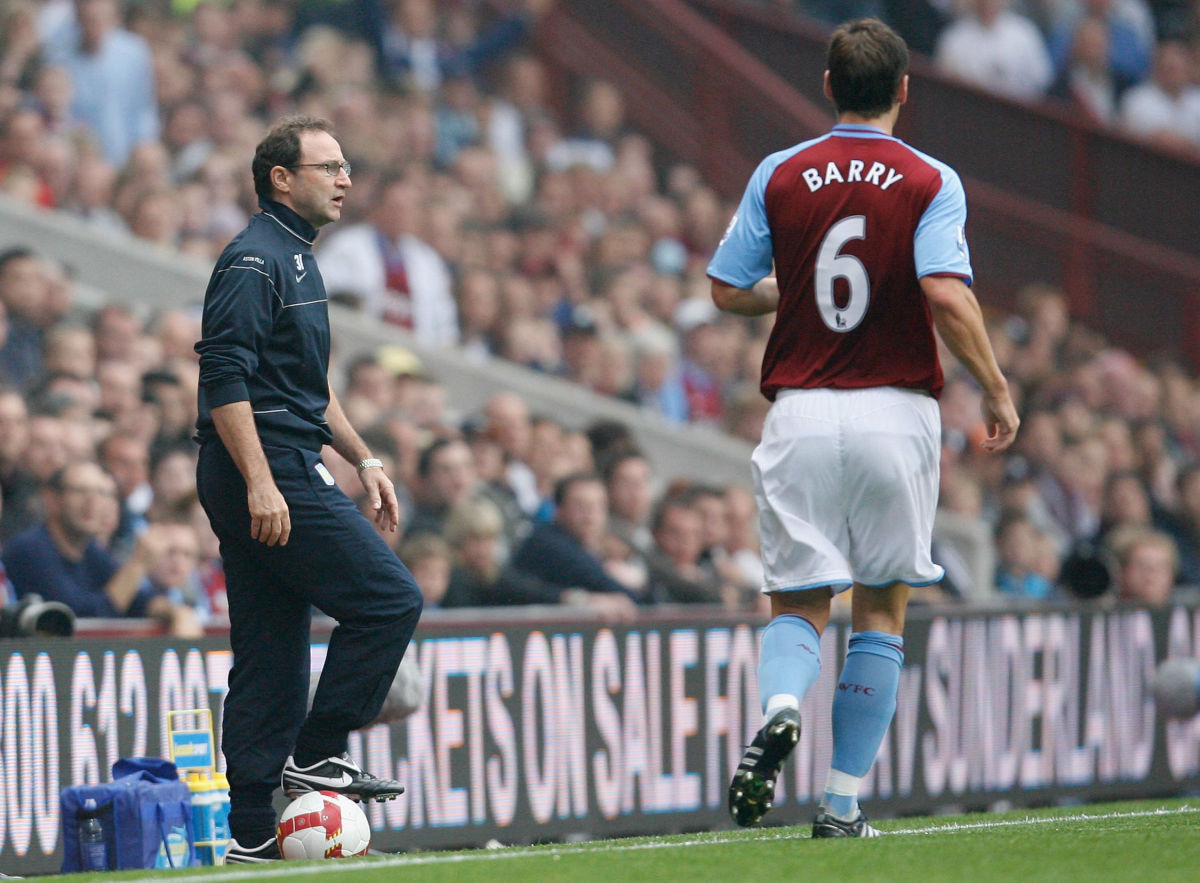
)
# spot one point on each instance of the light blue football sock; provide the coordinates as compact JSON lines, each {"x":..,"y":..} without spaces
{"x":863,"y":708}
{"x":788,"y":661}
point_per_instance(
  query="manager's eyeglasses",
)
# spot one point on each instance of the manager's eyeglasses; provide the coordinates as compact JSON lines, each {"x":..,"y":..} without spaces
{"x":330,"y":168}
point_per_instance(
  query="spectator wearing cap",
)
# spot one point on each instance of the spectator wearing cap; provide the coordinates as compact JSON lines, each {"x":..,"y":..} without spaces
{"x":581,"y":346}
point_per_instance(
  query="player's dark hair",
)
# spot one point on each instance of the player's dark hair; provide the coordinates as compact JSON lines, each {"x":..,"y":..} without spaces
{"x":867,"y":60}
{"x":281,"y":147}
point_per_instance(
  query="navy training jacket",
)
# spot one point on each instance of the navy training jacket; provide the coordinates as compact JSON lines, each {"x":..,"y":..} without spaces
{"x":265,"y":332}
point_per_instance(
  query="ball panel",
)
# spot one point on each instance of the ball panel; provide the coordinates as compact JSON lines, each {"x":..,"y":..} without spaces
{"x":323,"y":824}
{"x":306,"y":843}
{"x":355,"y":835}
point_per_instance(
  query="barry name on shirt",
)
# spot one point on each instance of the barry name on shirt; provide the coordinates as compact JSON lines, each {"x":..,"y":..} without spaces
{"x":880,"y":175}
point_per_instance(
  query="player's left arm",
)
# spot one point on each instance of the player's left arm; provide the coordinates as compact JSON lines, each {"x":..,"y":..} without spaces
{"x":959,"y":321}
{"x":943,"y":262}
{"x":349,"y":444}
{"x":758,"y":300}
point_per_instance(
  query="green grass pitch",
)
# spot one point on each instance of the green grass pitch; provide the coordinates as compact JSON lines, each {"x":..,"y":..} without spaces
{"x":1135,"y":841}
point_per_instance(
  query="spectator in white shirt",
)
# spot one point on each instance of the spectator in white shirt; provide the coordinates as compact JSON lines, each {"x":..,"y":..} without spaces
{"x":1166,"y":108}
{"x":995,"y":48}
{"x":394,"y":274}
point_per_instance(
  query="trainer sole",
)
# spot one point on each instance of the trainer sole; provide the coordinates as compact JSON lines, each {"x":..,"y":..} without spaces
{"x":751,"y":793}
{"x":379,"y":798}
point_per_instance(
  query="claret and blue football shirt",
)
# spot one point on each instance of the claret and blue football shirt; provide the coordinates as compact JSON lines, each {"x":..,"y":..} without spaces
{"x":850,"y":222}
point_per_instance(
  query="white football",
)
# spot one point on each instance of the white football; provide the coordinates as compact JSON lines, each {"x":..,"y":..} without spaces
{"x":323,"y":824}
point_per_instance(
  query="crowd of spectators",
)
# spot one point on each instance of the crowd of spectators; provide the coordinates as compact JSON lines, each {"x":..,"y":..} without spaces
{"x":1130,"y":64}
{"x":500,"y":507}
{"x":482,"y":218}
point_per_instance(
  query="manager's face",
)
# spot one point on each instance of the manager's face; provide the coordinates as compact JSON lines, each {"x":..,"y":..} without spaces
{"x":313,"y":193}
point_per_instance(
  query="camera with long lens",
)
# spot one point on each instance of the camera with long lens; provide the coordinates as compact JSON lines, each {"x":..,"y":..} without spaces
{"x":33,"y":617}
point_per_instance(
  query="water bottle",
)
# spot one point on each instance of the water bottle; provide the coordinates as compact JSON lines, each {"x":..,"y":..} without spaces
{"x":93,"y":842}
{"x":221,"y":820}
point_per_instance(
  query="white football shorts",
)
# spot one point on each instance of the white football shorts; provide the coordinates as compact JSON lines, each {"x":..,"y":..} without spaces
{"x":847,"y":485}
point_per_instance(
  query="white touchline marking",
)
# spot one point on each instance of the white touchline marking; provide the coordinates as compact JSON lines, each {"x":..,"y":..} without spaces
{"x":290,"y":869}
{"x":1046,"y":820}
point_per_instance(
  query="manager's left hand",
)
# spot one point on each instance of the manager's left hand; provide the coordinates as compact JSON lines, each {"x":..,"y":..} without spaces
{"x":382,"y":494}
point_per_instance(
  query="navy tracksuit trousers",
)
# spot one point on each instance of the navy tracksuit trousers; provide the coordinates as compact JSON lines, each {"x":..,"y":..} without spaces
{"x":334,"y":561}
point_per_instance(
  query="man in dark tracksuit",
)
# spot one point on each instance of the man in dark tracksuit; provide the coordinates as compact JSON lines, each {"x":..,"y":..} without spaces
{"x":290,"y":539}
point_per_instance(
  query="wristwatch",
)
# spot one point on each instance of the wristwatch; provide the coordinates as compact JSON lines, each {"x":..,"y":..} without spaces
{"x":370,"y":463}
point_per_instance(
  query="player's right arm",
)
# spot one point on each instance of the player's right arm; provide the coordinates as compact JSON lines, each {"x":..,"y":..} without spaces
{"x":959,"y":320}
{"x":740,"y":268}
{"x":238,"y":316}
{"x":270,"y":521}
{"x":758,"y":300}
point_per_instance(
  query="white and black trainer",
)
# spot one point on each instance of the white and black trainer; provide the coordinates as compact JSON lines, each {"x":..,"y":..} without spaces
{"x":339,"y":774}
{"x":828,"y":825}
{"x":753,"y":787}
{"x":267,"y":851}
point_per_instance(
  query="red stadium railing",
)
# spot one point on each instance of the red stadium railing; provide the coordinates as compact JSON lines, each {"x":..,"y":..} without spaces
{"x":1052,"y":199}
{"x":1042,"y":152}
